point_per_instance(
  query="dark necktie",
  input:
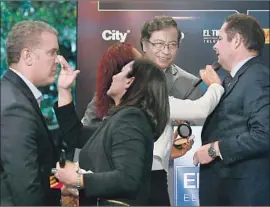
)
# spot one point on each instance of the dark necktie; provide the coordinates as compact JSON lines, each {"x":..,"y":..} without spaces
{"x":227,"y":81}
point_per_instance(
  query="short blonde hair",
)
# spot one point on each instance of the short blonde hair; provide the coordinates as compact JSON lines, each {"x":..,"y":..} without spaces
{"x":25,"y":34}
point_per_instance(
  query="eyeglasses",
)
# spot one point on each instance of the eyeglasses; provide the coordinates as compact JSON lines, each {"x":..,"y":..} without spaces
{"x":161,"y":46}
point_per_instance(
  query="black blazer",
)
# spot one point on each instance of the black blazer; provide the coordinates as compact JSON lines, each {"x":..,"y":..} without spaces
{"x":119,"y":152}
{"x":241,"y":123}
{"x":27,"y":151}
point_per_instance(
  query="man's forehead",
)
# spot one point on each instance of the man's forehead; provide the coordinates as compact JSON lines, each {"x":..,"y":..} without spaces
{"x":49,"y":41}
{"x":223,"y":27}
{"x":165,"y":34}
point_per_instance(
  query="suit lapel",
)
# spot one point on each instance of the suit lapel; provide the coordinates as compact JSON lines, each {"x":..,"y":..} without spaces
{"x":240,"y":72}
{"x":20,"y":84}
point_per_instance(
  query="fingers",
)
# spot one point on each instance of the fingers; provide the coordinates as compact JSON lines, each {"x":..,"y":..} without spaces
{"x":210,"y":71}
{"x":191,"y":144}
{"x":66,"y":68}
{"x":209,"y":75}
{"x":68,"y":164}
{"x":64,"y":64}
{"x":202,"y":74}
{"x":58,"y":174}
{"x":175,"y":134}
{"x":195,"y":162}
{"x":76,"y":72}
{"x":61,"y":60}
{"x":66,"y":191}
{"x":179,"y":122}
{"x":191,"y":137}
{"x":187,"y":146}
{"x":57,"y":165}
{"x":71,"y":73}
{"x":73,"y":191}
{"x":209,"y":68}
{"x":190,"y":141}
{"x":207,"y":71}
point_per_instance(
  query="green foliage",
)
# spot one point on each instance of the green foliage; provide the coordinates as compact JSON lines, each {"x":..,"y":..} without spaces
{"x":62,"y":15}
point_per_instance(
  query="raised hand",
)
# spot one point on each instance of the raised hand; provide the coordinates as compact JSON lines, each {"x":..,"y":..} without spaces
{"x":209,"y":75}
{"x":67,"y":75}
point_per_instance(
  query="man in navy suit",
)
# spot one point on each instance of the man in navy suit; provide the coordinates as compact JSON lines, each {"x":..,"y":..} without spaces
{"x":234,"y":155}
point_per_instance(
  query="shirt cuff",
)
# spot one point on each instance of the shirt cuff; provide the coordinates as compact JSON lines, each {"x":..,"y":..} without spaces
{"x":219,"y":153}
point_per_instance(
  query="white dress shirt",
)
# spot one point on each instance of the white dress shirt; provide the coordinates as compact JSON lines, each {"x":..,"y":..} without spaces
{"x":31,"y":86}
{"x":239,"y":65}
{"x":188,"y":110}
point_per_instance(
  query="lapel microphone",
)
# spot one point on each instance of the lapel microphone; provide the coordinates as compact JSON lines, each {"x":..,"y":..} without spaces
{"x":216,"y":66}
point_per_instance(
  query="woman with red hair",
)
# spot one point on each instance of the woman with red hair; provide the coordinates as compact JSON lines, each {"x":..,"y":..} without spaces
{"x":111,"y":63}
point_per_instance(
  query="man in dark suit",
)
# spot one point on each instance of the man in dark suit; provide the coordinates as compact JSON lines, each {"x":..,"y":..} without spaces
{"x":27,"y":150}
{"x":234,"y":156}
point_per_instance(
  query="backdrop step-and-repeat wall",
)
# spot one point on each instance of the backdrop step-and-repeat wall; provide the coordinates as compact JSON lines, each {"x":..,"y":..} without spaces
{"x":102,"y":24}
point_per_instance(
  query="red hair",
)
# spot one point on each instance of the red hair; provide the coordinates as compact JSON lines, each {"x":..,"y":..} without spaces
{"x":111,"y":63}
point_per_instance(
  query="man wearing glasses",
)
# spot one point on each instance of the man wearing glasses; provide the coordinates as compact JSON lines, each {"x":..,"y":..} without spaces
{"x":160,"y":39}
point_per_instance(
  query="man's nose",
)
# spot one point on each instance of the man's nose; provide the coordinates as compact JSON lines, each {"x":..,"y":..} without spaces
{"x":215,"y":47}
{"x":166,"y":49}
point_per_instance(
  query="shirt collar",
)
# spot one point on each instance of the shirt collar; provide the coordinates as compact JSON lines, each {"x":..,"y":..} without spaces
{"x":165,"y":70}
{"x":239,"y":65}
{"x":32,"y":87}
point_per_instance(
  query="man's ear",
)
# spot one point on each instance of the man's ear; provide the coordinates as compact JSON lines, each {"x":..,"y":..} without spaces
{"x":237,"y":40}
{"x":26,"y":56}
{"x":129,"y":82}
{"x":144,"y":46}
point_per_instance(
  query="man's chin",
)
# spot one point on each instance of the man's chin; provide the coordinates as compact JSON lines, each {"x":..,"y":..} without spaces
{"x":52,"y":80}
{"x":48,"y":82}
{"x":163,"y":66}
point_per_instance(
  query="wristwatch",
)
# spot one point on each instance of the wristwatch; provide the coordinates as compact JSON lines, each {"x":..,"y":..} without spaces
{"x":211,"y":151}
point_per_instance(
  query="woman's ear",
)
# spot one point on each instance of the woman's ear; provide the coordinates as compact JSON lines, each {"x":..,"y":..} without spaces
{"x":129,"y":82}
